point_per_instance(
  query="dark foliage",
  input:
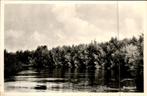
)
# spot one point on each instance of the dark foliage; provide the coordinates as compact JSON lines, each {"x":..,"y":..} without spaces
{"x":124,"y":57}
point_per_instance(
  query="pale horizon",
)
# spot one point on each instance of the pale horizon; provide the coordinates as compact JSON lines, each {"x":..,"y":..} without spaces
{"x":29,"y":26}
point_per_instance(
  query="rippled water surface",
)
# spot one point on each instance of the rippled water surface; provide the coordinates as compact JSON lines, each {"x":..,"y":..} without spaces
{"x":59,"y":79}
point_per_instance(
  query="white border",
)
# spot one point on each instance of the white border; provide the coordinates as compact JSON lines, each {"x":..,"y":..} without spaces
{"x":71,"y":93}
{"x":1,"y":48}
{"x":145,"y":47}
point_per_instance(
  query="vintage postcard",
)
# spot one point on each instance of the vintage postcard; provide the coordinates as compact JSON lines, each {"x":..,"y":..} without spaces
{"x":73,"y":48}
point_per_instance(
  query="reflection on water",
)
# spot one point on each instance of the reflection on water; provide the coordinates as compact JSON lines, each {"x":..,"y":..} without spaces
{"x":60,"y":79}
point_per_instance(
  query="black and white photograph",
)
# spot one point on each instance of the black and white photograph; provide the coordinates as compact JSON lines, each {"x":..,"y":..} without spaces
{"x":94,"y":48}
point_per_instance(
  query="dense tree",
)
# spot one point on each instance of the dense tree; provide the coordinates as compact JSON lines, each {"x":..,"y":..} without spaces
{"x":119,"y":58}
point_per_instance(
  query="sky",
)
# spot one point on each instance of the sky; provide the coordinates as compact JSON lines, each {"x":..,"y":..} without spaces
{"x":27,"y":26}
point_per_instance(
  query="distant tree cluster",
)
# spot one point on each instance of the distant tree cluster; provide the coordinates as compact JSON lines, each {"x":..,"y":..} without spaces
{"x":122,"y":56}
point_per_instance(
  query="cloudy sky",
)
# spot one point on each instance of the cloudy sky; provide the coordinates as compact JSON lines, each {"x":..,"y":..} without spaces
{"x":30,"y":25}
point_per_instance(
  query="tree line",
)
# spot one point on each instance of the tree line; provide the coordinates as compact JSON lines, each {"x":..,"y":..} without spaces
{"x":122,"y":56}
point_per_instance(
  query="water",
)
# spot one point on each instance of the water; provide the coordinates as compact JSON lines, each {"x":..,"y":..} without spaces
{"x":60,"y":80}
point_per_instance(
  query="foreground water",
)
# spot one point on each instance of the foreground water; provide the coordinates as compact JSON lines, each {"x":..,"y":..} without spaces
{"x":61,"y":80}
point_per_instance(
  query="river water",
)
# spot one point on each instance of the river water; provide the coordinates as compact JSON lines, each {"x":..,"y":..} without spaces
{"x":60,"y":80}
